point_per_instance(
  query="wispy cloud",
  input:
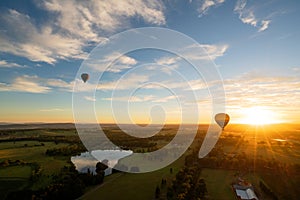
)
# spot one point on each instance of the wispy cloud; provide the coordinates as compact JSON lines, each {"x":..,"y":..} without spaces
{"x":52,"y":110}
{"x":264,"y":25}
{"x":211,"y":51}
{"x":33,"y":43}
{"x":296,"y":69}
{"x":144,"y":98}
{"x":167,"y":60}
{"x":164,"y":99}
{"x":247,"y":16}
{"x":166,"y":64}
{"x":6,"y":64}
{"x":90,"y":16}
{"x":133,"y":98}
{"x":25,"y":84}
{"x":35,"y":84}
{"x":207,"y":4}
{"x":115,"y":62}
{"x":74,"y":26}
{"x":132,"y":81}
{"x":282,"y":93}
{"x":88,"y":98}
{"x":196,"y":85}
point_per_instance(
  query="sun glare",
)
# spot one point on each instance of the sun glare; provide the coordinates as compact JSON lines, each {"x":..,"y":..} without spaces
{"x":259,"y":116}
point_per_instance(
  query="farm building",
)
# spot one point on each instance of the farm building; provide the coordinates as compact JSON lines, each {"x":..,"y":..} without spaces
{"x":245,"y":193}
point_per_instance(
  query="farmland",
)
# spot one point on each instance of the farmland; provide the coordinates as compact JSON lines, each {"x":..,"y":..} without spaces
{"x":257,"y":154}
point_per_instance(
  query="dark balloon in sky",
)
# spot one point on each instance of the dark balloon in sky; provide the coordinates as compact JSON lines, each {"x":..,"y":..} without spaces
{"x":222,"y":119}
{"x":85,"y":77}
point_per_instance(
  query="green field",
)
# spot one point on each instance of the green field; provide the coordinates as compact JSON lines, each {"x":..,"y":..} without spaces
{"x":271,"y":161}
{"x":126,"y":186}
{"x":15,"y":172}
{"x":218,"y":183}
{"x":17,"y":177}
{"x":13,"y":178}
{"x":31,"y":153}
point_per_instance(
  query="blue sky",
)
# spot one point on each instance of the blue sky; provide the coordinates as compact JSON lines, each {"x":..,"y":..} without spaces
{"x":254,"y":44}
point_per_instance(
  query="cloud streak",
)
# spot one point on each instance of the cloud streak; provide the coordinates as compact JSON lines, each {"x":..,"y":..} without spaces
{"x":207,"y":4}
{"x":52,"y":110}
{"x":279,"y":93}
{"x":25,"y":83}
{"x":6,"y":64}
{"x":34,"y":84}
{"x":247,"y":16}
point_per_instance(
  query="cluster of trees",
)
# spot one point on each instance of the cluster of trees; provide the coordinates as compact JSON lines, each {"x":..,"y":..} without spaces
{"x":66,"y":151}
{"x":140,"y":145}
{"x":36,"y":171}
{"x":242,"y":162}
{"x":136,"y":144}
{"x":38,"y":137}
{"x":267,"y":190}
{"x":8,"y":162}
{"x":188,"y":185}
{"x":68,"y":184}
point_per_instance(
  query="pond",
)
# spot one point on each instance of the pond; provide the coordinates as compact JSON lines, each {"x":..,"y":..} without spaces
{"x":87,"y":161}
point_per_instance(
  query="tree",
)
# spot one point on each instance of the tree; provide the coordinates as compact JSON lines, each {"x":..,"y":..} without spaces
{"x":157,"y":192}
{"x":100,"y":167}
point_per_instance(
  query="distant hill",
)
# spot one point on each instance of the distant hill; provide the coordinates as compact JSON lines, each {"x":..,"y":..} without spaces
{"x":6,"y":126}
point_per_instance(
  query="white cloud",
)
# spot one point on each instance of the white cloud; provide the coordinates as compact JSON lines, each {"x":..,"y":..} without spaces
{"x":90,"y":98}
{"x":58,"y":83}
{"x":35,"y":84}
{"x":25,"y":84}
{"x":166,"y":64}
{"x":36,"y":44}
{"x":207,"y":4}
{"x":5,"y":64}
{"x":247,"y":16}
{"x":115,"y":62}
{"x":123,"y":62}
{"x":168,"y":60}
{"x":211,"y":51}
{"x":264,"y":25}
{"x":132,"y":99}
{"x":164,"y":99}
{"x":144,"y":98}
{"x":296,"y":69}
{"x":127,"y":60}
{"x":196,"y":85}
{"x":72,"y":26}
{"x":132,"y":81}
{"x":90,"y":16}
{"x":256,"y":90}
{"x":52,"y":110}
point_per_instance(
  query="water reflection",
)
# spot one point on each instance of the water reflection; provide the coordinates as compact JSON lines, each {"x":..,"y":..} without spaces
{"x":87,"y":161}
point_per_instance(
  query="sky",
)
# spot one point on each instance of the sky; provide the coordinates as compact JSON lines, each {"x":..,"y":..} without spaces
{"x":254,"y":45}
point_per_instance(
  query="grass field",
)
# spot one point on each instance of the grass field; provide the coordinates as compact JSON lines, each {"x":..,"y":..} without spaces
{"x":17,"y":177}
{"x":9,"y":185}
{"x":127,"y":186}
{"x":15,"y":172}
{"x":255,"y":142}
{"x":218,"y":183}
{"x":13,"y":178}
{"x":32,"y":153}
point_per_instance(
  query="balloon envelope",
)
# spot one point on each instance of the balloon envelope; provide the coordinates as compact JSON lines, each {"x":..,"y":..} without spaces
{"x":222,"y":119}
{"x":84,"y":77}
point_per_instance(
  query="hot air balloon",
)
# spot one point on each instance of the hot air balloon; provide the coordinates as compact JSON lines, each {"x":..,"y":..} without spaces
{"x":222,"y":119}
{"x":84,"y":77}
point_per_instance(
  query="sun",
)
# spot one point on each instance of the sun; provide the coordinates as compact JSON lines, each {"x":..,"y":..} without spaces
{"x":259,"y":116}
